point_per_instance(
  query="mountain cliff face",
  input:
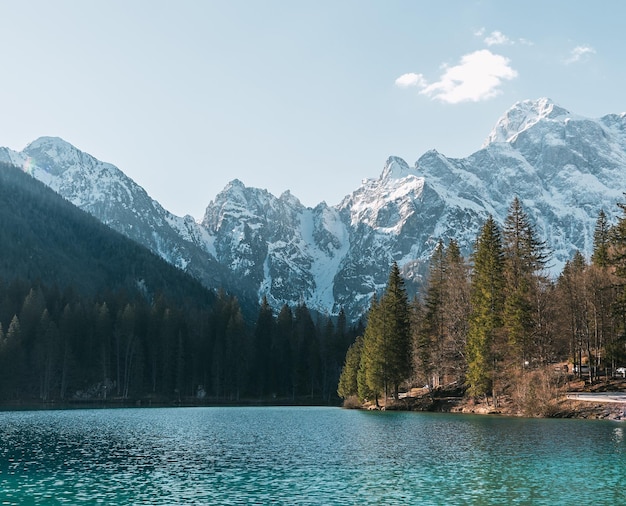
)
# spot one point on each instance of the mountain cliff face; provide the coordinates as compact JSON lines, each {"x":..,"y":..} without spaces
{"x":563,"y":167}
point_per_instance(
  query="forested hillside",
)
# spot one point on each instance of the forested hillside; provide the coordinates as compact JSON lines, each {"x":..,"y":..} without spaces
{"x":46,"y":238}
{"x":88,"y":315}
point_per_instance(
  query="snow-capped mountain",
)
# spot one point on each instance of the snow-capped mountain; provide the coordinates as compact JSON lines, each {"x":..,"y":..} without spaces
{"x":289,"y":252}
{"x":107,"y":193}
{"x":563,"y":167}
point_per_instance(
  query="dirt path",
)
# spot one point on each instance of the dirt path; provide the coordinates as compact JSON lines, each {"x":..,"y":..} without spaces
{"x":619,"y":397}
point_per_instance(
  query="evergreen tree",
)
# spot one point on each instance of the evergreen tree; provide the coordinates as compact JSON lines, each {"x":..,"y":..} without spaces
{"x":431,"y":334}
{"x":372,"y":374}
{"x":127,"y":348}
{"x":46,"y":355}
{"x":396,"y":304}
{"x":103,"y":333}
{"x":12,"y":361}
{"x":305,"y":353}
{"x":237,"y":350}
{"x":330,"y":366}
{"x":618,"y":262}
{"x":386,"y":357}
{"x":261,"y":349}
{"x":282,"y":351}
{"x":348,"y":383}
{"x":525,"y":256}
{"x":456,"y":313}
{"x":487,"y":303}
{"x":601,"y":241}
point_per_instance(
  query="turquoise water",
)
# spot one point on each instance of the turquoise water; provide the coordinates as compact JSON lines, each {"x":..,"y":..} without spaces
{"x":305,"y":456}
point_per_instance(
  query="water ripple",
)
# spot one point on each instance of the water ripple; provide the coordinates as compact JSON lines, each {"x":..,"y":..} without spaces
{"x":304,"y":456}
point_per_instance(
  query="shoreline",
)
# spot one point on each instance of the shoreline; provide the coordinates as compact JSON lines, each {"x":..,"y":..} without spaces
{"x":603,"y":400}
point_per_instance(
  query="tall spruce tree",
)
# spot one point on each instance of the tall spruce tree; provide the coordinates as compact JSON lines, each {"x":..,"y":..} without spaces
{"x":487,"y":304}
{"x":348,"y":383}
{"x":601,"y":241}
{"x":431,"y":333}
{"x":261,"y":349}
{"x":525,"y":256}
{"x":456,"y":313}
{"x":395,"y":303}
{"x":372,"y":375}
{"x":386,"y":357}
{"x":574,"y":305}
{"x":618,"y":261}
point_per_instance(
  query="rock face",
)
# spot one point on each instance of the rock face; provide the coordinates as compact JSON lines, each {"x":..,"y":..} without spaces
{"x":564,"y":169}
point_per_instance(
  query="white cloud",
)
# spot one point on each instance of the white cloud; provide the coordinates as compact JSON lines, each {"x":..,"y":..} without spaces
{"x":477,"y":77}
{"x":411,"y":79}
{"x":579,"y":52}
{"x":497,"y":38}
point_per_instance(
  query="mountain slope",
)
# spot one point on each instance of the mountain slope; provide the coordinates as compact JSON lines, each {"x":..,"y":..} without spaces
{"x":563,"y":167}
{"x":45,"y":238}
{"x":287,"y":251}
{"x":107,"y":193}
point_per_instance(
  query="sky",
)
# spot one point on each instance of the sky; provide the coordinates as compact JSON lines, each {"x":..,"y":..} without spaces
{"x":307,"y":96}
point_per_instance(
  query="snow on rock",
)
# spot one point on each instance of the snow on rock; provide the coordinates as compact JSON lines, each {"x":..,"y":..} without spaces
{"x":563,"y":167}
{"x":522,"y":116}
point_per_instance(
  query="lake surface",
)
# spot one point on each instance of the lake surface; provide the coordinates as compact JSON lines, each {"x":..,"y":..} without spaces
{"x":305,"y":456}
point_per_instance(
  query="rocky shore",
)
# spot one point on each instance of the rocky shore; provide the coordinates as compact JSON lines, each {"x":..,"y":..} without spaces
{"x":454,"y":400}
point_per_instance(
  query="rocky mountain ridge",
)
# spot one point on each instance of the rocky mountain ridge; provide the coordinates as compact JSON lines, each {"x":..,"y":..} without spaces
{"x":564,"y":168}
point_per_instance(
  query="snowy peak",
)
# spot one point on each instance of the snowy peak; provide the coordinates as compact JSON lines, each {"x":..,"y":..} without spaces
{"x":522,"y":116}
{"x":50,"y":144}
{"x":383,"y":202}
{"x":396,"y":168}
{"x":55,"y":156}
{"x":563,"y":167}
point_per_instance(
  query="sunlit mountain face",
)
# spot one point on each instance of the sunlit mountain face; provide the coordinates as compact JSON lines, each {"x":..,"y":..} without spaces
{"x":564,"y":169}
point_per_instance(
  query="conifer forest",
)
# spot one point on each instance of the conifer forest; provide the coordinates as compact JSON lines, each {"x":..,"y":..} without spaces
{"x":89,"y":316}
{"x":495,"y":323}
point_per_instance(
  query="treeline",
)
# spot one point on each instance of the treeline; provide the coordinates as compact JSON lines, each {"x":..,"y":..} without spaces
{"x":496,"y":316}
{"x":65,"y":346}
{"x":87,"y":314}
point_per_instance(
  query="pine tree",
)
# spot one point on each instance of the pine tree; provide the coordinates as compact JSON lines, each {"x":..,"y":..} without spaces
{"x":13,"y":360}
{"x":395,"y":303}
{"x":306,"y":352}
{"x":617,"y":260}
{"x":46,"y":354}
{"x":487,"y":304}
{"x":525,"y":256}
{"x":372,"y":375}
{"x":601,"y":241}
{"x":603,"y":283}
{"x":237,"y":349}
{"x":574,"y":307}
{"x":261,"y":348}
{"x":456,"y":313}
{"x":386,"y":357}
{"x":283,"y":351}
{"x":431,"y":334}
{"x":348,"y":382}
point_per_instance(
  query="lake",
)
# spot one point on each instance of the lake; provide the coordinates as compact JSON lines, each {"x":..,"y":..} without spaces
{"x":310,"y":455}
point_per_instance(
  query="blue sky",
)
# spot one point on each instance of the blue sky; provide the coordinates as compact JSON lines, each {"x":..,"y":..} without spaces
{"x":310,"y":97}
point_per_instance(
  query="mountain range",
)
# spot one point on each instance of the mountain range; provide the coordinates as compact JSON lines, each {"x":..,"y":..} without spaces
{"x":564,"y":168}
